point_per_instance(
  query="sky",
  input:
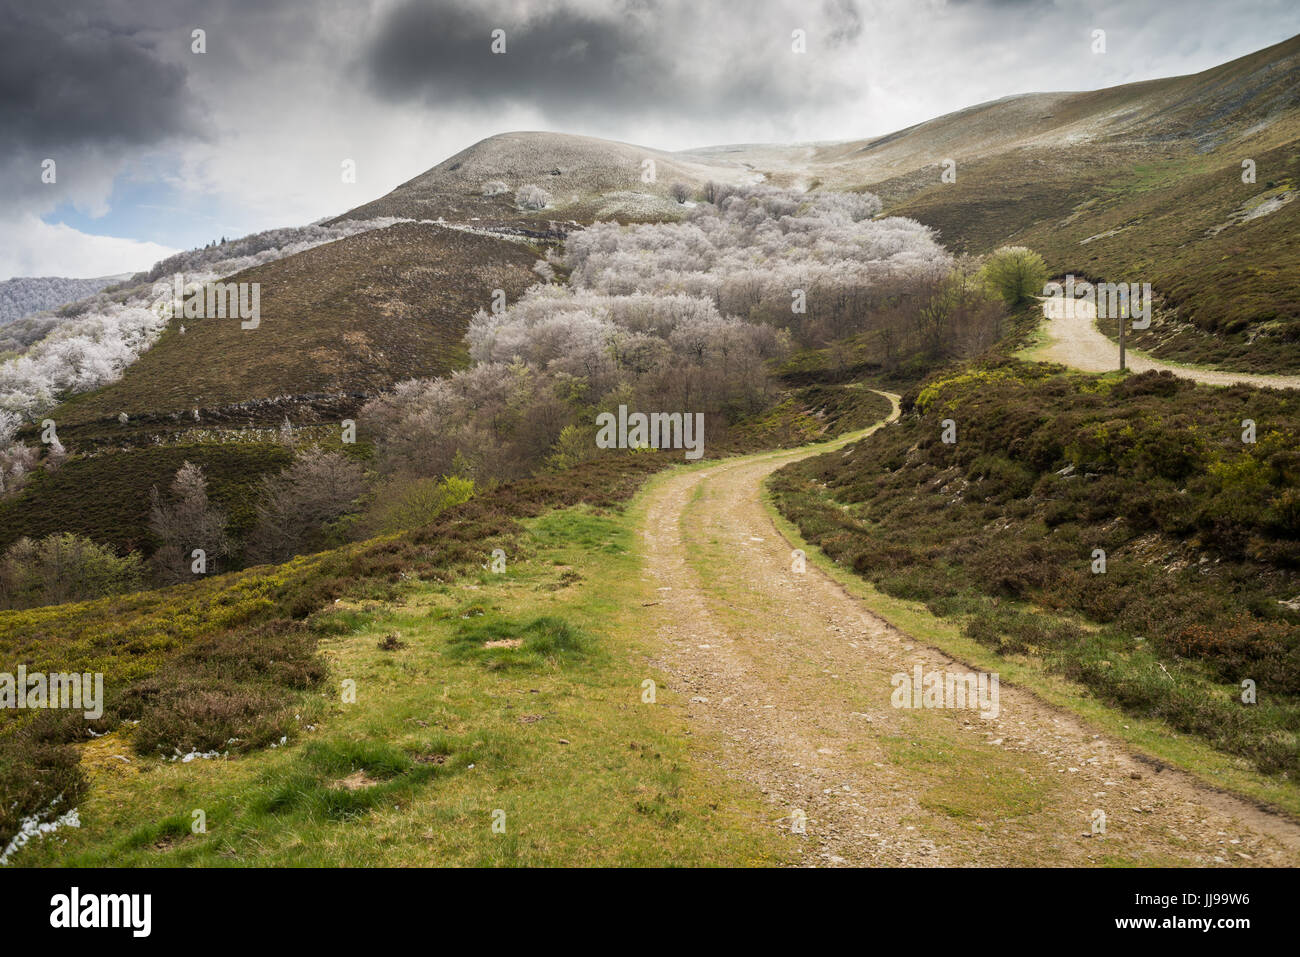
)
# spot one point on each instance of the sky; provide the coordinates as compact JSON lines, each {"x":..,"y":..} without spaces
{"x":158,"y":146}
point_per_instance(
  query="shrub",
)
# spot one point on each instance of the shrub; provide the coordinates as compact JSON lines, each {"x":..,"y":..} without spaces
{"x":532,"y":197}
{"x":62,"y":568}
{"x":1017,"y":273}
{"x":39,"y":780}
{"x":225,"y":693}
{"x":576,"y":444}
{"x":403,"y":503}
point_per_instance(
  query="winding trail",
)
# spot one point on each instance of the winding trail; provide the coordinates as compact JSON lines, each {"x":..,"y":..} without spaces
{"x":1074,"y":340}
{"x":789,"y":676}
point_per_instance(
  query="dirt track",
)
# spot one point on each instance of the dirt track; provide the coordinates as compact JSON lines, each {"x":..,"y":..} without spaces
{"x":1075,"y":341}
{"x":792,"y":675}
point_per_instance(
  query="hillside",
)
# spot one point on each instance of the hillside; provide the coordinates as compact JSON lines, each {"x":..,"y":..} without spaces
{"x":1141,"y":182}
{"x":27,"y":295}
{"x":588,"y":179}
{"x":1198,"y":534}
{"x":118,"y":513}
{"x":353,"y":316}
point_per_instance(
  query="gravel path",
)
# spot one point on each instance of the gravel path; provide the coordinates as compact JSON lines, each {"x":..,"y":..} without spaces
{"x":791,"y":675}
{"x":1075,"y":341}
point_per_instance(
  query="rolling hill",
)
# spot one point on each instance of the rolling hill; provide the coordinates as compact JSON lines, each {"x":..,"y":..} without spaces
{"x":588,"y":179}
{"x":1142,"y":182}
{"x":346,"y":318}
{"x":1137,"y":183}
{"x":28,"y":295}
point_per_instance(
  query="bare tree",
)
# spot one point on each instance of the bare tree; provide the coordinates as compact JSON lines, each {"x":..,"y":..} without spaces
{"x":676,"y":316}
{"x":186,"y":522}
{"x":296,"y":507}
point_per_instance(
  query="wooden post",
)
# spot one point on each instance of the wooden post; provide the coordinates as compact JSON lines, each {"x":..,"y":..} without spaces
{"x":1121,"y":340}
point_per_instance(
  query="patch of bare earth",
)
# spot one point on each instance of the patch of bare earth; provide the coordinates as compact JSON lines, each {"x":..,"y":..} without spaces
{"x":356,"y":781}
{"x":791,"y":675}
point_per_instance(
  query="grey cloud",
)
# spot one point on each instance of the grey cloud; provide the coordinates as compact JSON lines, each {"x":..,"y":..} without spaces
{"x":65,"y":83}
{"x":651,"y":57}
{"x":845,"y":21}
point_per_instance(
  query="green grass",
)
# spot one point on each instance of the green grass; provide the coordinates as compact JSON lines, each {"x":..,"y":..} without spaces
{"x":969,"y":782}
{"x":439,"y":742}
{"x":500,"y":643}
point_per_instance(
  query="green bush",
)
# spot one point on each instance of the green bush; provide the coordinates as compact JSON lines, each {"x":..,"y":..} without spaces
{"x":1017,"y":273}
{"x":63,"y":568}
{"x":402,"y":503}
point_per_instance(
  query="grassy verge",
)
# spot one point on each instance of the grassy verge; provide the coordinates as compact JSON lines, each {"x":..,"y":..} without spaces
{"x":156,"y":649}
{"x":512,"y":698}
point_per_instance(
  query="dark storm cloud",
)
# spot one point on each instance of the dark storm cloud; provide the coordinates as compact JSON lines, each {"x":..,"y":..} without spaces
{"x":639,"y":55}
{"x":70,"y":82}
